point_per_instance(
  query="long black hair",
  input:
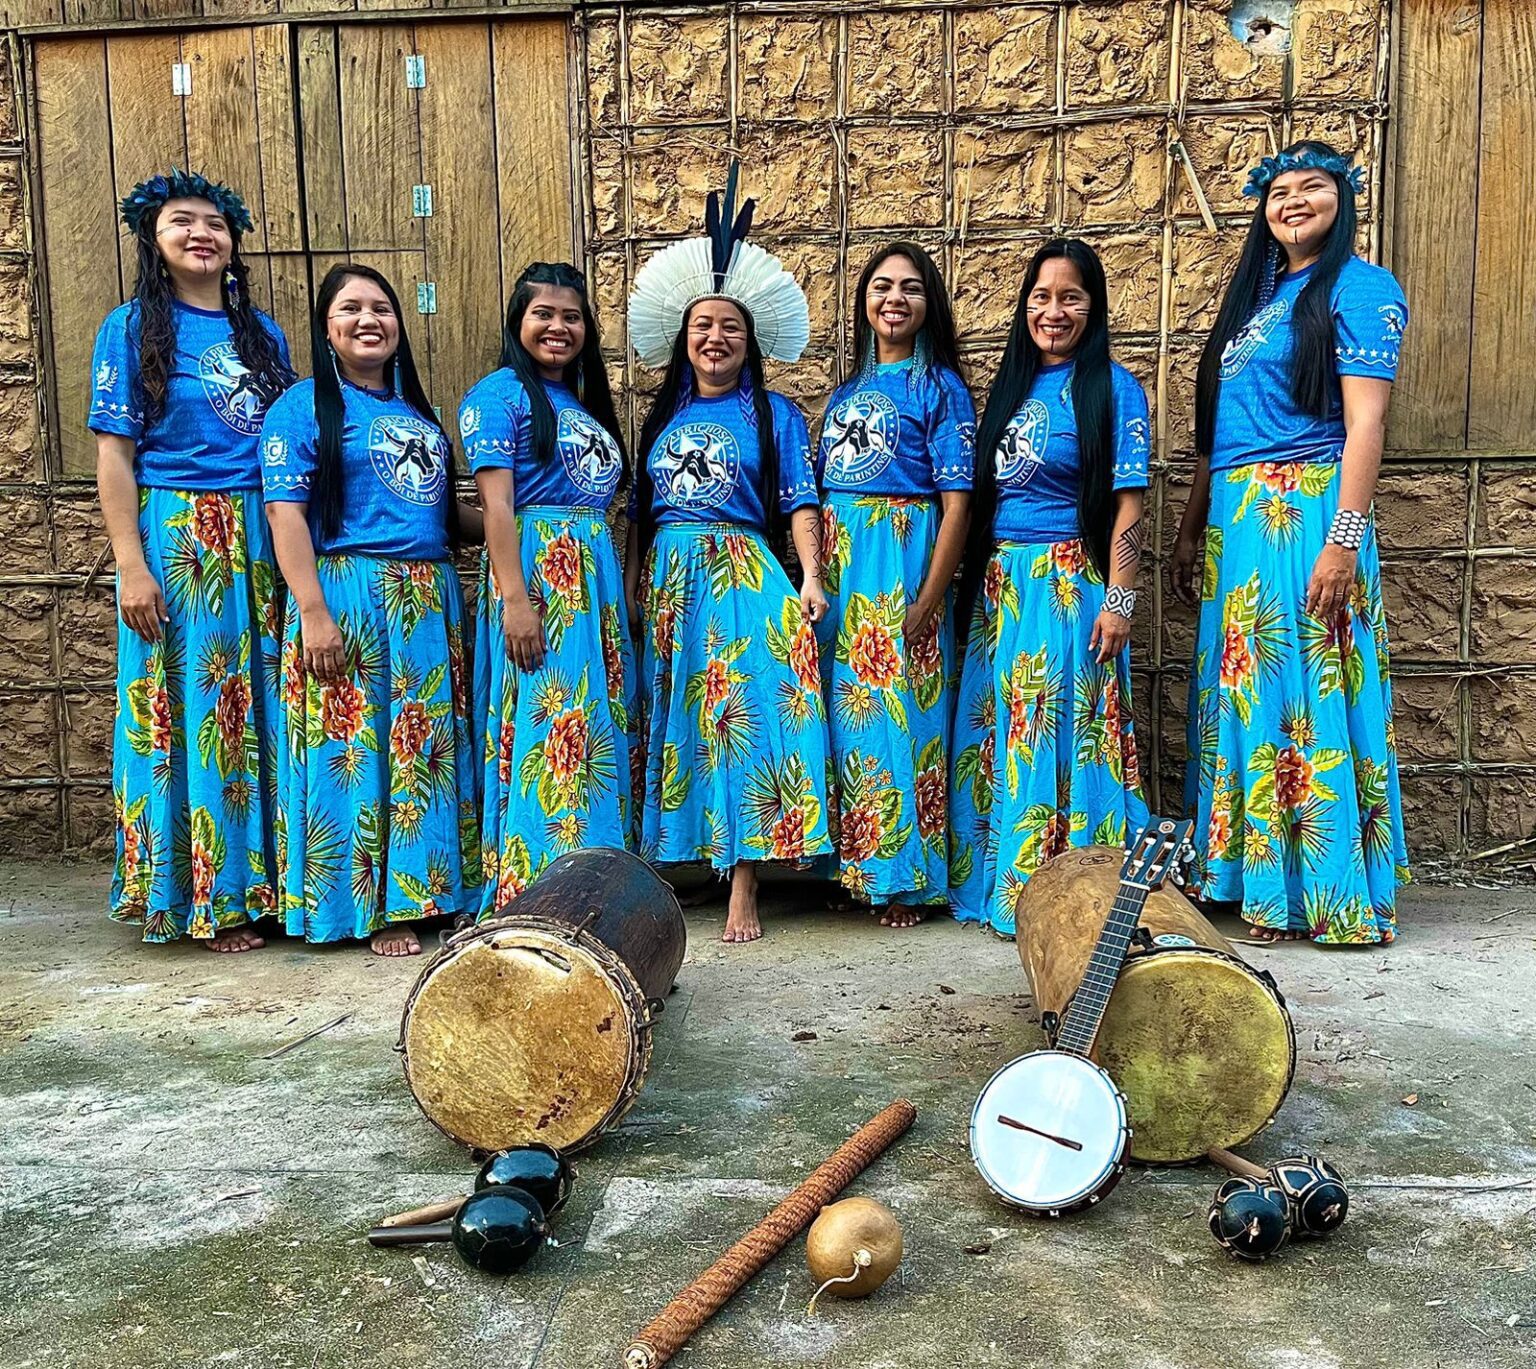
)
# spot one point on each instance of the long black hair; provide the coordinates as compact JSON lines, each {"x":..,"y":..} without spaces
{"x":677,"y":388}
{"x":1093,"y":407}
{"x":154,"y":298}
{"x":938,"y":330}
{"x":325,"y":490}
{"x":585,"y":374}
{"x":1313,"y":382}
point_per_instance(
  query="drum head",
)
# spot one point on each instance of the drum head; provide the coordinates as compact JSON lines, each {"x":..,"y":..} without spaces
{"x":521,"y":1034}
{"x":1203,"y":1049}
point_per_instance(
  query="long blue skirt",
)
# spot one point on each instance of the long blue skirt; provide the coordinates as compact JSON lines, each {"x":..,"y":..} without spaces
{"x":558,"y":742}
{"x":887,"y":700}
{"x":377,"y":821}
{"x":195,"y":747}
{"x":1293,"y":769}
{"x":1045,"y":744}
{"x":736,"y":757}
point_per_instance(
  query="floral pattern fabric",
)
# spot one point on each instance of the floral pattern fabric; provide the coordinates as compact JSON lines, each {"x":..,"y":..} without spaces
{"x":887,"y":699}
{"x":735,"y":742}
{"x":1045,"y":751}
{"x":1293,"y":774}
{"x":377,"y":806}
{"x":194,"y":749}
{"x":557,"y":743}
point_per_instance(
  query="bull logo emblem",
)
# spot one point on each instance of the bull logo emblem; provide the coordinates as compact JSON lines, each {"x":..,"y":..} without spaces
{"x":590,"y":454}
{"x":861,"y":437}
{"x":408,"y":457}
{"x":239,"y":397}
{"x":1021,"y":448}
{"x":696,"y":465}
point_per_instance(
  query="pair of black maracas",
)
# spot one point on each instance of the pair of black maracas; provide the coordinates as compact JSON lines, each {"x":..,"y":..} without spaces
{"x":1259,"y":1209}
{"x":500,"y":1226}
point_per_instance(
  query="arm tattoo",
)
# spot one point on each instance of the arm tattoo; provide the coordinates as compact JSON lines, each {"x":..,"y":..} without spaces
{"x":1128,"y":547}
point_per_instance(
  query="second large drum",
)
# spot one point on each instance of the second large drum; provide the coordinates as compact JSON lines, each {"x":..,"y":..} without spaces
{"x":1200,"y":1043}
{"x":536,"y":1025}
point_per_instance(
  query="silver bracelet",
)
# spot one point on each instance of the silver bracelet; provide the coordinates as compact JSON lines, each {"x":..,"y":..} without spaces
{"x":1348,"y":530}
{"x":1118,"y":599}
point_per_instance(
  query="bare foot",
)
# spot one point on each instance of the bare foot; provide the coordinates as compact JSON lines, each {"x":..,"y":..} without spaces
{"x":741,"y":920}
{"x":235,"y":939}
{"x":899,"y":915}
{"x":1268,"y":936}
{"x":391,"y":941}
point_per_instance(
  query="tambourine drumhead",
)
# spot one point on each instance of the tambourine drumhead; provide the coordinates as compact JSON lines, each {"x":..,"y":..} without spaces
{"x":1202,"y":1048}
{"x":1061,"y":1094}
{"x":523,"y":1033}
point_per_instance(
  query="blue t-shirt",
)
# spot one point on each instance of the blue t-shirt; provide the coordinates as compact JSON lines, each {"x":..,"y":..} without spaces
{"x":1256,"y":418}
{"x":207,"y":434}
{"x":897,"y":430}
{"x":582,"y":472}
{"x":394,"y":473}
{"x":1039,"y":464}
{"x":705,"y":464}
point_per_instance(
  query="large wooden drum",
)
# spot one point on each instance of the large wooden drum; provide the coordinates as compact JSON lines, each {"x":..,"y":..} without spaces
{"x":1199,"y":1041}
{"x":536,"y":1025}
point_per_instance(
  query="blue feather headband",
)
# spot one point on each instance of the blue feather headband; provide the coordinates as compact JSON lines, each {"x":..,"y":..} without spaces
{"x":148,"y":196}
{"x":1265,"y":172}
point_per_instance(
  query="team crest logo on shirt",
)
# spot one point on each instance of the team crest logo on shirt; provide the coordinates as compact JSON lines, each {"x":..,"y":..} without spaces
{"x":1021,"y":449}
{"x":238,"y":397}
{"x":696,"y":466}
{"x":106,"y":377}
{"x":1251,"y":336}
{"x":275,"y":450}
{"x":469,"y":423}
{"x":861,"y":437}
{"x":589,"y":453}
{"x":410,"y":456}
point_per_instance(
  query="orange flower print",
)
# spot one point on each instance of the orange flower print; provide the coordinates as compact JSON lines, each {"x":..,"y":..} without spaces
{"x":1219,"y":834}
{"x":1053,"y":837}
{"x":293,"y":675}
{"x":508,"y":884}
{"x":160,"y":720}
{"x":739,"y":550}
{"x":560,"y":564}
{"x":565,"y":750}
{"x":342,"y":706}
{"x":925,"y":658}
{"x":717,"y":683}
{"x":1112,"y":710}
{"x":873,"y":655}
{"x":231,"y":711}
{"x":456,"y":677}
{"x":1293,"y":778}
{"x":1280,"y":476}
{"x":1236,"y":659}
{"x":664,"y":633}
{"x":992,"y":582}
{"x":202,"y":875}
{"x":860,"y":832}
{"x":408,"y":737}
{"x":828,"y":534}
{"x":987,"y":755}
{"x":803,"y":658}
{"x":213,"y":523}
{"x":261,"y":899}
{"x":1018,"y":711}
{"x":1130,"y":762}
{"x":789,"y":836}
{"x":422,"y":573}
{"x":931,"y":802}
{"x":1069,"y":557}
{"x":132,"y":845}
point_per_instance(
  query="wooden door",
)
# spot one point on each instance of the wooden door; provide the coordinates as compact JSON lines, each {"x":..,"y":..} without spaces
{"x":329,"y":136}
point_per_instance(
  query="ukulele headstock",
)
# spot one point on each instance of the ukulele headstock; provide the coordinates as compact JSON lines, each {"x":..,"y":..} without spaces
{"x":1155,"y":851}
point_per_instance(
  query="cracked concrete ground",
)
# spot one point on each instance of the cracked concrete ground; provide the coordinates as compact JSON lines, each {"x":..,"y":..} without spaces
{"x":172,"y":1198}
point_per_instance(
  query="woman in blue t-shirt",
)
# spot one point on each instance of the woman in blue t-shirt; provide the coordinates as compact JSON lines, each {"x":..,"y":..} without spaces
{"x":554,"y":672}
{"x":1293,"y":770}
{"x":895,"y":471}
{"x":1045,"y":749}
{"x":735,"y":731}
{"x":181,"y":378}
{"x":376,"y":820}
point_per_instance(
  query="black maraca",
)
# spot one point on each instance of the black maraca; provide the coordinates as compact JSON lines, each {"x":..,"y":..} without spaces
{"x":495,"y":1229}
{"x":1250,"y":1218}
{"x":540,"y":1170}
{"x":1319,"y":1201}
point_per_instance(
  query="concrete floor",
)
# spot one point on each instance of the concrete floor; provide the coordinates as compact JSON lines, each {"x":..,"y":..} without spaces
{"x":171,"y":1198}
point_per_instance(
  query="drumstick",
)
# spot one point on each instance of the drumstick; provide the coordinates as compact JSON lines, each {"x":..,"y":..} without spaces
{"x":440,"y":1210}
{"x":707,"y":1294}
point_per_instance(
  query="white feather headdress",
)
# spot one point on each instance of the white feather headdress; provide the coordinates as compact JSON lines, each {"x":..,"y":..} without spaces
{"x":720,"y":265}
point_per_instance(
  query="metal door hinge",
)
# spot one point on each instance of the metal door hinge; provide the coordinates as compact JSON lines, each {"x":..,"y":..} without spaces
{"x":415,"y":72}
{"x":421,"y":201}
{"x":181,"y":78}
{"x":426,"y":297}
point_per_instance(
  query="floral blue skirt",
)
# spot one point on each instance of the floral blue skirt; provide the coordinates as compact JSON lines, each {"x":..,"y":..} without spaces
{"x":887,"y":700}
{"x":558,"y":742}
{"x":1293,"y":769}
{"x":195,"y":747}
{"x":1045,"y":745}
{"x":734,"y":730}
{"x":376,"y":820}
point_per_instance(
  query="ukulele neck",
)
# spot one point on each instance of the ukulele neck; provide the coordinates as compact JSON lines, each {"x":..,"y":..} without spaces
{"x":1092,"y":997}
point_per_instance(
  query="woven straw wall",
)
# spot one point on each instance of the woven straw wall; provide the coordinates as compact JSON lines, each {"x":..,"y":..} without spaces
{"x":976,"y":129}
